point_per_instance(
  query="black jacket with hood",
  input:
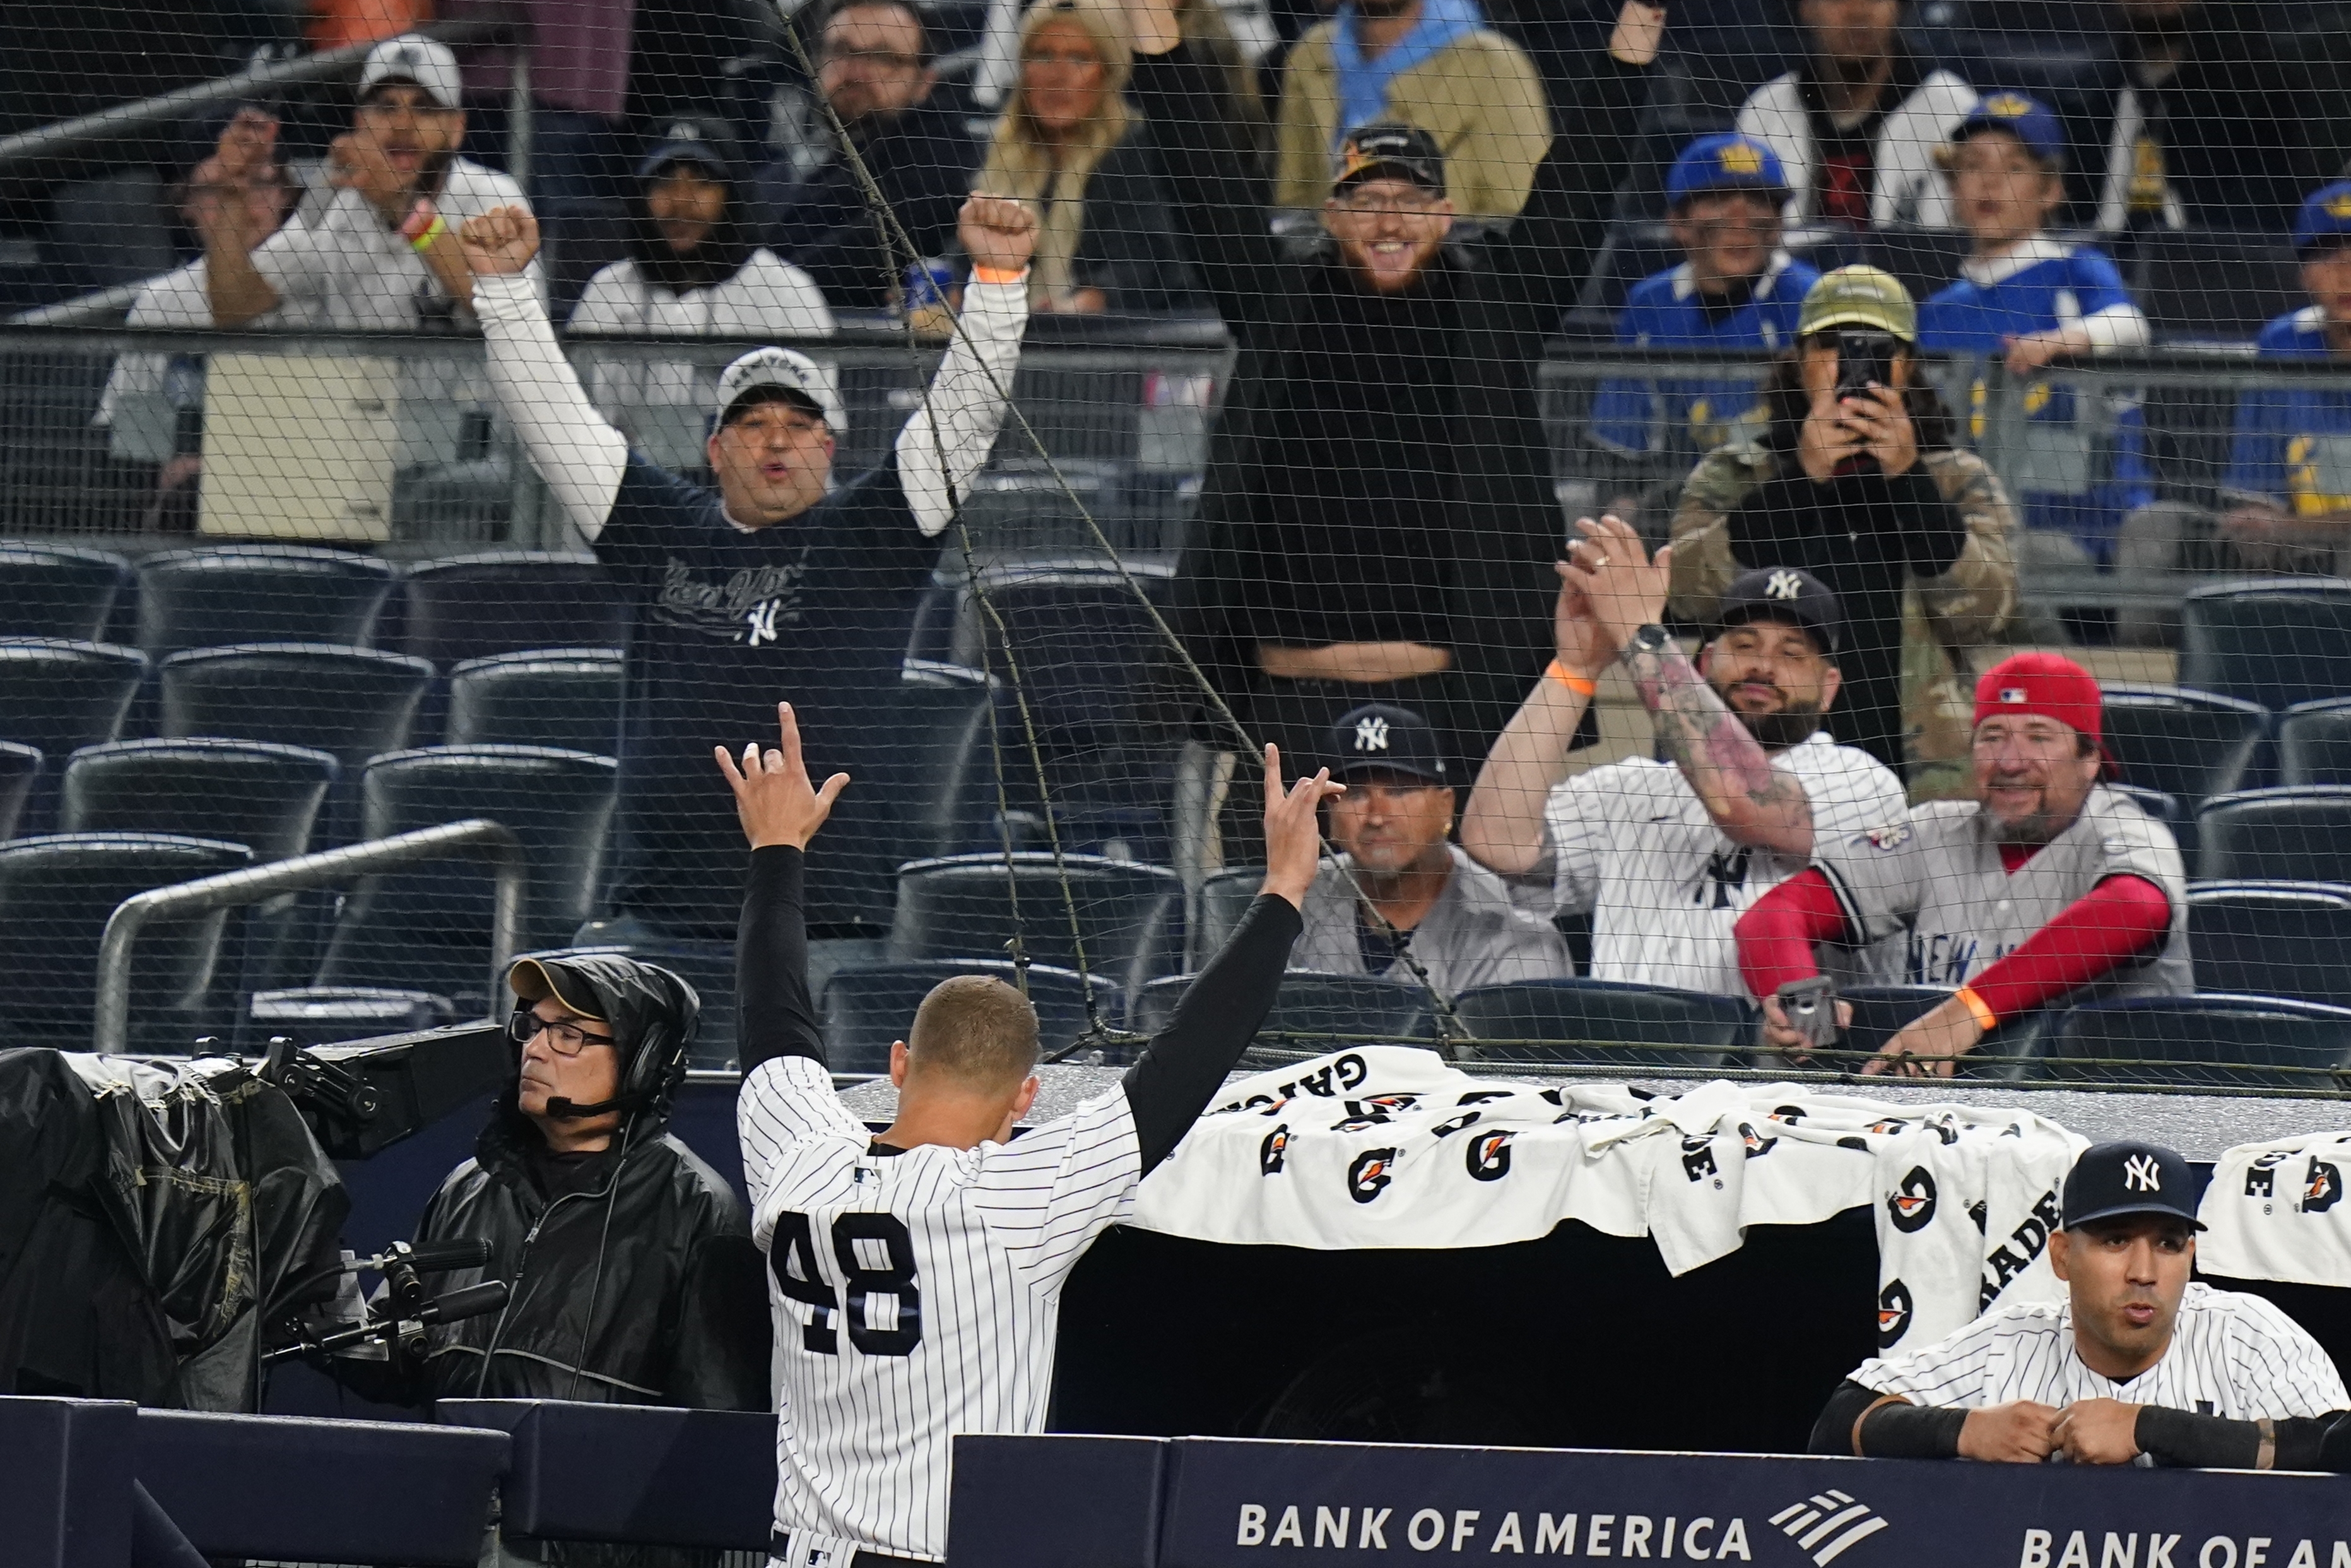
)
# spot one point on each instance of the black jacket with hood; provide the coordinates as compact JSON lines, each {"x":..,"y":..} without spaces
{"x":633,"y":1266}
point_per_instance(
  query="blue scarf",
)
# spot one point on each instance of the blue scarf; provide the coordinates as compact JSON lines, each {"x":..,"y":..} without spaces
{"x":1363,"y":83}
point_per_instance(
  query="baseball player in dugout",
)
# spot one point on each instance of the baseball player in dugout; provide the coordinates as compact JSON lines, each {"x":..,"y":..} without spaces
{"x":1666,"y":856}
{"x":1398,"y":885}
{"x":2136,"y":1366}
{"x":917,"y":1277}
{"x":2047,"y":886}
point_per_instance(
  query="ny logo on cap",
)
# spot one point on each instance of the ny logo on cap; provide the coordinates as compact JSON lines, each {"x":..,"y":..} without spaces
{"x":406,"y":58}
{"x":1785,"y":585}
{"x":1372,"y":734}
{"x":684,"y":130}
{"x":2012,"y":694}
{"x":2139,"y":1175}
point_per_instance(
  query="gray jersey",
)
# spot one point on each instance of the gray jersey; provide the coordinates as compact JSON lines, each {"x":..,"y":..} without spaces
{"x":1473,"y":934}
{"x":1937,"y":873}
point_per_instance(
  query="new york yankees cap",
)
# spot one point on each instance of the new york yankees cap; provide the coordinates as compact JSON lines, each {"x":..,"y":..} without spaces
{"x":1784,"y":593}
{"x":786,"y":370}
{"x":2111,"y":1180}
{"x":1381,"y":737}
{"x":413,"y":57}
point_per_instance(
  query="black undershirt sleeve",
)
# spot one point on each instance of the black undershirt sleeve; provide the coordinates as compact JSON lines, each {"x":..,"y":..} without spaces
{"x":774,"y":1016}
{"x":2182,"y":1439}
{"x":1213,"y":1023}
{"x":1892,"y":1431}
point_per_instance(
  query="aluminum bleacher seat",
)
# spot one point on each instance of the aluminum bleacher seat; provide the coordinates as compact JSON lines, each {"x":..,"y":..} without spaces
{"x":217,"y":595}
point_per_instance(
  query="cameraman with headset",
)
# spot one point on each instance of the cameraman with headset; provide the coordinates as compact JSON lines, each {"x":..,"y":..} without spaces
{"x":634,"y":1281}
{"x":1857,"y":478}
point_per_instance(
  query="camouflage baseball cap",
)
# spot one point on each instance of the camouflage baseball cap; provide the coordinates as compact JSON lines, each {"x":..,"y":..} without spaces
{"x":1859,"y":296}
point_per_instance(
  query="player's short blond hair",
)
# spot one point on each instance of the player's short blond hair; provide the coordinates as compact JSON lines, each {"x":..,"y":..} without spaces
{"x":975,"y":1030}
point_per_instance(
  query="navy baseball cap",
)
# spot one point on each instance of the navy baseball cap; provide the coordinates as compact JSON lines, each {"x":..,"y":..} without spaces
{"x":1393,"y":148}
{"x":2324,"y":221}
{"x":2110,"y":1181}
{"x":1784,"y":593}
{"x":1725,"y":162}
{"x":2027,"y":118}
{"x":1381,"y":737}
{"x":705,"y":146}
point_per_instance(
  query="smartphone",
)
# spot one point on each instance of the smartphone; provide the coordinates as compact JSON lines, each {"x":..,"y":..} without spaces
{"x":1810,"y":1007}
{"x":1864,"y":358}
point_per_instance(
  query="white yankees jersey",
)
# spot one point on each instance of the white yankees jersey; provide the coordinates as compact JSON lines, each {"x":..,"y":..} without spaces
{"x":1938,"y":872}
{"x":1633,"y":847}
{"x":916,"y":1296}
{"x":2232,"y":1355}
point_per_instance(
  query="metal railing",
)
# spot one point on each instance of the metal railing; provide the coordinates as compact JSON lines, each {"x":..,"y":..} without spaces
{"x":476,"y":837}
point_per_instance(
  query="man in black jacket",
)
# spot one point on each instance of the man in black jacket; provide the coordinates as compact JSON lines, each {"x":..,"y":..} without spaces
{"x":633,"y":1276}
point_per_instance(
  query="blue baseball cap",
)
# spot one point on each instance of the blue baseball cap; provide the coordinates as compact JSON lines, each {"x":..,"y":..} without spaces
{"x":2324,"y":221}
{"x":1724,"y":162}
{"x":2028,"y":120}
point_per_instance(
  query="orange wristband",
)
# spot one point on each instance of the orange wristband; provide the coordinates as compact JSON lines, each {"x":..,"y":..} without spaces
{"x":997,"y":273}
{"x":1986,"y":1019}
{"x":1558,"y":672}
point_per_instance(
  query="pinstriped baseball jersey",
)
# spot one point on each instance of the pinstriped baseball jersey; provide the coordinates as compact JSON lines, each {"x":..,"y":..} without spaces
{"x":1938,"y":872}
{"x":2232,"y":1355}
{"x":916,"y":1296}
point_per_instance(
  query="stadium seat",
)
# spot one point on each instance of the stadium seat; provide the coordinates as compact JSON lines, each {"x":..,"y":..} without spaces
{"x":2276,"y":835}
{"x":20,"y":768}
{"x":56,"y":893}
{"x":2313,"y":743}
{"x":1878,"y":1012}
{"x":1313,"y":1003}
{"x":46,"y":591}
{"x":57,"y":696}
{"x":1224,"y":898}
{"x":2163,"y":807}
{"x":2235,"y":1041}
{"x":325,"y":1015}
{"x":865,"y":1006}
{"x":566,"y":698}
{"x":2272,"y":939}
{"x":212,"y":597}
{"x":265,"y":796}
{"x":964,"y":907}
{"x":1605,"y":1022}
{"x":2189,"y":745}
{"x":2275,"y":642}
{"x":350,"y":702}
{"x":506,"y":602}
{"x":429,"y":929}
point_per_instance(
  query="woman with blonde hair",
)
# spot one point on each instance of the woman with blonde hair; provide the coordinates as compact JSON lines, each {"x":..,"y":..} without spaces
{"x":1068,"y":143}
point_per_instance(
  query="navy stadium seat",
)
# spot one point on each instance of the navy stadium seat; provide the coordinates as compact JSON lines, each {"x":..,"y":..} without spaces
{"x":2163,"y":807}
{"x":1605,"y":1022}
{"x":265,"y":796}
{"x":216,"y":595}
{"x":2206,"y":1039}
{"x":971,"y":906}
{"x":2273,"y":641}
{"x":58,"y":697}
{"x":565,"y":698}
{"x":1224,"y":898}
{"x":49,"y":591}
{"x":2272,"y":938}
{"x":2276,"y":835}
{"x":2189,"y":745}
{"x":56,"y":893}
{"x":1879,"y":1011}
{"x":865,"y":1006}
{"x":351,"y":703}
{"x":2313,"y":743}
{"x":20,"y":768}
{"x":1313,"y":1003}
{"x":506,"y":602}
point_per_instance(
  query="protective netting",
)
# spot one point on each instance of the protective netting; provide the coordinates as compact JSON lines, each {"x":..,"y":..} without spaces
{"x":2015,"y":701}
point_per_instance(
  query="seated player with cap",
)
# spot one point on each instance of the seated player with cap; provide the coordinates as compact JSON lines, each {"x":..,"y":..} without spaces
{"x":1667,"y":855}
{"x":1399,"y":887}
{"x":1736,"y":291}
{"x":2137,"y":1366}
{"x":2047,"y":886}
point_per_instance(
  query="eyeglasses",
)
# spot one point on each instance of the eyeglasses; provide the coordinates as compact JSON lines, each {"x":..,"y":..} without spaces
{"x":563,"y":1037}
{"x":1366,"y":204}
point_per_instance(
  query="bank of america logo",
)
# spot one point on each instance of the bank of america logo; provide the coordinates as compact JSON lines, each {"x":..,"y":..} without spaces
{"x":1827,"y":1524}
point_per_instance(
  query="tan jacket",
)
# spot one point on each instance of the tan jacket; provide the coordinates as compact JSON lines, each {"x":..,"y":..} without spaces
{"x":1943,"y":617}
{"x":1480,"y":98}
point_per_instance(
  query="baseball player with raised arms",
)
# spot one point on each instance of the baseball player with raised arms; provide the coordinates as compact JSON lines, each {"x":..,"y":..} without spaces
{"x":2137,"y":1366}
{"x":917,"y":1278}
{"x":2048,"y":885}
{"x":1667,"y":855}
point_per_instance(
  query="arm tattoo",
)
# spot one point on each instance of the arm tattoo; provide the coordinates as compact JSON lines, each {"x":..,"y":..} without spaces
{"x":1715,"y":752}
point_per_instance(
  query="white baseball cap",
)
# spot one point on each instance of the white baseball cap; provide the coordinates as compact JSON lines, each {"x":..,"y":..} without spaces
{"x":786,"y":370}
{"x":412,"y":56}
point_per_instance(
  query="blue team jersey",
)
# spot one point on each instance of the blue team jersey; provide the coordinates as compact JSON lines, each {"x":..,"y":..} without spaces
{"x":2075,"y":478}
{"x":2292,"y":446}
{"x":1690,"y":417}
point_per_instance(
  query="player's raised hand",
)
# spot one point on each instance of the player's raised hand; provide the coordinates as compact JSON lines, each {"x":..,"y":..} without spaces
{"x":2097,"y":1431}
{"x":773,"y":797}
{"x":2017,"y":1433}
{"x":500,"y":243}
{"x":998,"y":232}
{"x":1293,"y":828}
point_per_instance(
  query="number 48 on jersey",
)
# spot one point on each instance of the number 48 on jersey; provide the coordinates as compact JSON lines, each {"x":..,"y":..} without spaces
{"x":856,"y":1239}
